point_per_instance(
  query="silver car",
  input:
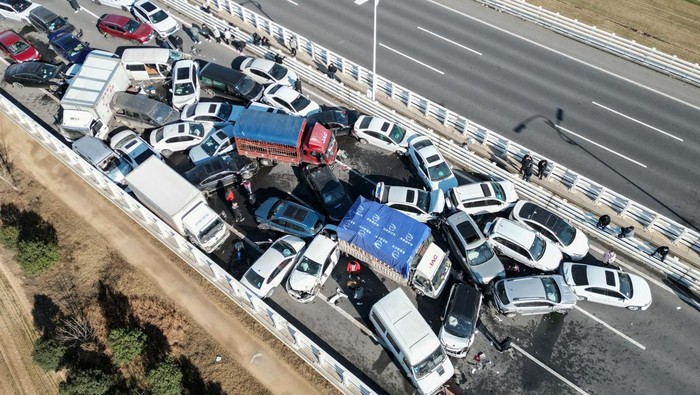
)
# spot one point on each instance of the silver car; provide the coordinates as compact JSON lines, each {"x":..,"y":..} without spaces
{"x":533,"y":295}
{"x":103,"y":158}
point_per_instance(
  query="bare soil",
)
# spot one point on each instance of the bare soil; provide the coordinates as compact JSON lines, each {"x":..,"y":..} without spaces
{"x":671,"y":26}
{"x":119,"y":275}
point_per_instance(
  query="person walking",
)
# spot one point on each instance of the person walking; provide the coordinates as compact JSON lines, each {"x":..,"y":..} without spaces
{"x":194,"y":33}
{"x":332,"y":69}
{"x":237,"y":212}
{"x":227,"y":36}
{"x":661,"y":252}
{"x":297,"y":86}
{"x":528,"y":171}
{"x":293,"y":45}
{"x":75,"y":5}
{"x":541,"y":168}
{"x":525,"y":162}
{"x":178,"y":43}
{"x":626,"y":233}
{"x":256,"y":38}
{"x":217,"y":34}
{"x":603,"y":222}
{"x":239,"y":45}
{"x":265,"y":42}
{"x":609,"y":257}
{"x":206,"y":32}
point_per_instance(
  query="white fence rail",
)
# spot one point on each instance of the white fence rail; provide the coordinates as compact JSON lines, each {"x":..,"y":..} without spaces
{"x":610,"y":42}
{"x":684,"y":273}
{"x":334,"y":371}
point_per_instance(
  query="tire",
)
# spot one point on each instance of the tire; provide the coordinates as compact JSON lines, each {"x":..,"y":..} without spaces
{"x":17,"y":85}
{"x":633,"y":308}
{"x":510,"y":315}
{"x":363,"y":141}
{"x":582,"y":298}
{"x":166,"y":153}
{"x":263,"y":226}
{"x":209,"y":91}
{"x":98,"y":2}
{"x":247,"y":175}
{"x":267,"y":162}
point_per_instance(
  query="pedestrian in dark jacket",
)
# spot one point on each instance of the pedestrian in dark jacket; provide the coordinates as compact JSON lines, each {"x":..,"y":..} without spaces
{"x":206,"y":32}
{"x":541,"y":168}
{"x":661,"y":252}
{"x":528,"y":171}
{"x":293,"y":45}
{"x":279,"y":58}
{"x":297,"y":86}
{"x":178,"y":43}
{"x":256,"y":38}
{"x":525,"y":162}
{"x":265,"y":42}
{"x":74,"y":5}
{"x":603,"y":222}
{"x":626,"y":233}
{"x":239,"y":45}
{"x":332,"y":69}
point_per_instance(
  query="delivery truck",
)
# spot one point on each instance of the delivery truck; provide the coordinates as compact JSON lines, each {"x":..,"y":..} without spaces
{"x":178,"y":203}
{"x":280,"y":138}
{"x":394,"y":245}
{"x":86,"y":101}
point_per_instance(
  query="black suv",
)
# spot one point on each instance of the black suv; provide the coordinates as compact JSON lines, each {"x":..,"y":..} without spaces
{"x":225,"y":82}
{"x":338,"y":119}
{"x":46,"y":21}
{"x":221,"y":171}
{"x":329,"y":190}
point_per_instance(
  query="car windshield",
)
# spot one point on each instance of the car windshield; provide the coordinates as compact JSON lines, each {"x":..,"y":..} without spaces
{"x":46,"y":71}
{"x":159,"y":16}
{"x":224,"y":112}
{"x":283,"y":248}
{"x":551,"y":290}
{"x":196,"y":129}
{"x":309,"y":267}
{"x":423,"y":201}
{"x":21,"y":5}
{"x":333,"y":194}
{"x":56,"y":24}
{"x":184,"y":89}
{"x":498,"y":191}
{"x":161,"y":113}
{"x":565,"y":232}
{"x":254,"y":278}
{"x":142,"y":156}
{"x":300,"y":103}
{"x":426,"y":366}
{"x":538,"y":247}
{"x":458,"y":325}
{"x":210,"y":145}
{"x":131,"y":26}
{"x":245,"y":85}
{"x":397,"y":133}
{"x":76,"y":50}
{"x":210,"y":231}
{"x":277,"y":72}
{"x":439,"y":171}
{"x":18,"y":47}
{"x":479,"y":255}
{"x":625,"y":285}
{"x":441,"y":274}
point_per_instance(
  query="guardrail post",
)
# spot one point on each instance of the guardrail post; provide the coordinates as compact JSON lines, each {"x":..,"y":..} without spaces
{"x":409,"y":99}
{"x":427,"y":108}
{"x":650,"y":226}
{"x":624,"y":209}
{"x":255,"y":20}
{"x":574,"y":182}
{"x":681,"y":236}
{"x":602,"y":191}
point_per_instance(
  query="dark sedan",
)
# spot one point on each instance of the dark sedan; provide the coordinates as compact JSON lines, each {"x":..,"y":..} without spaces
{"x":124,"y":27}
{"x":329,"y":190}
{"x":69,"y":47}
{"x":221,"y":171}
{"x":338,"y":119}
{"x":48,"y":22}
{"x":35,"y":74}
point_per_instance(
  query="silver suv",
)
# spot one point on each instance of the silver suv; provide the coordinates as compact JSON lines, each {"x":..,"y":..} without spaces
{"x":533,"y":295}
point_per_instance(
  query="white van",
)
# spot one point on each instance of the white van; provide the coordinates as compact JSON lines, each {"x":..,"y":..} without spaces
{"x":417,"y":349}
{"x":144,"y":64}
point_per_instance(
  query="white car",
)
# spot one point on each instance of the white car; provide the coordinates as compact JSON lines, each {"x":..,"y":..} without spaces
{"x":211,"y":112}
{"x":132,"y":148}
{"x":17,"y":10}
{"x":607,"y":286}
{"x":286,"y":98}
{"x":152,"y":15}
{"x":418,"y":204}
{"x":219,"y":141}
{"x":430,"y":165}
{"x":314,"y":267}
{"x":273,"y":266}
{"x":122,"y":4}
{"x":523,"y":245}
{"x":185,"y":88}
{"x":381,"y":133}
{"x":264,"y":71}
{"x":482,"y":197}
{"x":178,"y":136}
{"x":570,"y":240}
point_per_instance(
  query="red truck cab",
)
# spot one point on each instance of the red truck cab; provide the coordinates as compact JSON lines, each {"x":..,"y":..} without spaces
{"x":319,"y":146}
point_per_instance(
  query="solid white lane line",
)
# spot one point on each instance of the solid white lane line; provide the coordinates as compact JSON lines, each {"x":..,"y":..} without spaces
{"x":450,"y":41}
{"x":605,"y":324}
{"x":550,"y":370}
{"x":601,"y":146}
{"x":636,"y":120}
{"x":408,"y":57}
{"x":293,"y":2}
{"x":567,"y":56}
{"x":360,"y":2}
{"x":91,"y":13}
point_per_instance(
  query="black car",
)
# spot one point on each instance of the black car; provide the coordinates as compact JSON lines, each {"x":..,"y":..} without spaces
{"x":329,"y":190}
{"x":338,"y":119}
{"x":460,"y":319}
{"x":48,"y":22}
{"x":222,"y":81}
{"x":35,"y":74}
{"x":221,"y":171}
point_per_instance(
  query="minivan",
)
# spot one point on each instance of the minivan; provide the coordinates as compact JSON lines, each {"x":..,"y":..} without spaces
{"x":225,"y":82}
{"x":98,"y":154}
{"x":404,"y":332}
{"x":139,"y":111}
{"x":143,"y":64}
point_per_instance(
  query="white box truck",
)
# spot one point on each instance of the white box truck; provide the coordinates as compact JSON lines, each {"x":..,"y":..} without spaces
{"x":178,"y":203}
{"x":86,"y":101}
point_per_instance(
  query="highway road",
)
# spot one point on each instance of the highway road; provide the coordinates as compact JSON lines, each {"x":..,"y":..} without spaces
{"x":594,"y":349}
{"x":627,"y":127}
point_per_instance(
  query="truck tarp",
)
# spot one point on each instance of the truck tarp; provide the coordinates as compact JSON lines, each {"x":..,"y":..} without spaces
{"x":384,"y":233}
{"x":272,"y":128}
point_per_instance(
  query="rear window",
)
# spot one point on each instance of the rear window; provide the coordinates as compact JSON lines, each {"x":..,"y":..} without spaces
{"x":551,"y":290}
{"x":422,"y":144}
{"x":254,"y":279}
{"x":365,"y":122}
{"x":501,"y":292}
{"x":148,"y":6}
{"x":580,"y":274}
{"x":183,"y":73}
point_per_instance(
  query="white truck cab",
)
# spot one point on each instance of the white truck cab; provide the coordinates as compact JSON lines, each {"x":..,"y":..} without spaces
{"x":432,"y":272}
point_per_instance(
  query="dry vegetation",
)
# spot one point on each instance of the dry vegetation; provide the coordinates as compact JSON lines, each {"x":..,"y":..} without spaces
{"x":671,"y":26}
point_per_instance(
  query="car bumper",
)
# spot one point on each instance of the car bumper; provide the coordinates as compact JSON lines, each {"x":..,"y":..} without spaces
{"x":300,"y":296}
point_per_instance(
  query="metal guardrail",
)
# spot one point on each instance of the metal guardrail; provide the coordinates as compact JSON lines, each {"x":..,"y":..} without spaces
{"x":683,"y":273}
{"x":610,"y":42}
{"x":334,"y":371}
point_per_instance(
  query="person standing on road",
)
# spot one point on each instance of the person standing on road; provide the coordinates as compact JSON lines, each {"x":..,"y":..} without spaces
{"x":541,"y":168}
{"x":525,"y":162}
{"x":206,"y":32}
{"x":217,"y":34}
{"x":609,"y":257}
{"x":661,"y":252}
{"x":293,"y":45}
{"x":279,"y":58}
{"x":194,"y":32}
{"x":603,"y":222}
{"x":256,"y":38}
{"x":297,"y":86}
{"x":227,"y":36}
{"x":75,"y":5}
{"x":239,"y":45}
{"x":528,"y":171}
{"x":178,"y":43}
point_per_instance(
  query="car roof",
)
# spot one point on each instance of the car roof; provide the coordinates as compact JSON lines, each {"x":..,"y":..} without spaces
{"x":183,"y":65}
{"x":514,"y":232}
{"x":179,"y":128}
{"x":538,"y":214}
{"x":428,"y":152}
{"x":115,"y":18}
{"x":286,"y":93}
{"x":260,"y":64}
{"x":466,"y":227}
{"x":146,"y":5}
{"x":525,"y":288}
{"x":25,"y":67}
{"x":403,"y":194}
{"x":238,"y":61}
{"x":595,"y":276}
{"x":294,"y":212}
{"x":376,"y":124}
{"x":43,"y":13}
{"x":220,"y":73}
{"x":319,"y":248}
{"x":474,"y":191}
{"x":468,"y":300}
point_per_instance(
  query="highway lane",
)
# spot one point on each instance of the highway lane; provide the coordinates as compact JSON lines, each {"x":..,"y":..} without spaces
{"x":514,"y":80}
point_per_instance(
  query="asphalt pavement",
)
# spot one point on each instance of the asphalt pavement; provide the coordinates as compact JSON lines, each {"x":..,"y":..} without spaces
{"x":625,"y":126}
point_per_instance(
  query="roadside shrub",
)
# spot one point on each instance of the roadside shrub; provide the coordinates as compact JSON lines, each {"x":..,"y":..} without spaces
{"x":86,"y":382}
{"x":8,"y":236}
{"x":36,"y":256}
{"x":48,"y":353}
{"x":126,"y":344}
{"x":165,"y":378}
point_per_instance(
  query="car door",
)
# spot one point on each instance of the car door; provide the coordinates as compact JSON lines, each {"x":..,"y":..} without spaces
{"x":330,"y":263}
{"x":456,"y":247}
{"x":259,"y":76}
{"x":598,"y":295}
{"x":543,"y":231}
{"x":141,"y":15}
{"x":116,"y":30}
{"x":281,"y":103}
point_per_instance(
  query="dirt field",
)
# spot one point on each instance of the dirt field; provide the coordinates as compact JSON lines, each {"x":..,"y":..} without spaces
{"x":671,"y":26}
{"x":116,"y":272}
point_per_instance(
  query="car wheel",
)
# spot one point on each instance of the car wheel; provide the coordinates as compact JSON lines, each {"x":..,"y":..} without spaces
{"x":267,"y":162}
{"x":98,"y":2}
{"x":209,"y":91}
{"x":166,"y":153}
{"x":135,"y":42}
{"x":633,"y":308}
{"x":263,"y":226}
{"x":17,"y":85}
{"x":125,"y":8}
{"x":363,"y":141}
{"x":510,"y":315}
{"x":247,"y":175}
{"x":583,"y":298}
